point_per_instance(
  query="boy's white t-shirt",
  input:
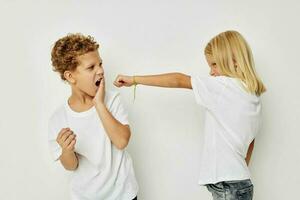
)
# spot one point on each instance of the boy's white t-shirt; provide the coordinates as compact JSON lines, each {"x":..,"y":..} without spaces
{"x":232,"y":121}
{"x":104,"y":172}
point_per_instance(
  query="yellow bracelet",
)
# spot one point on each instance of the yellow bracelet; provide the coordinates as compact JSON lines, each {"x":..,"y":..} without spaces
{"x":134,"y":89}
{"x":134,"y":82}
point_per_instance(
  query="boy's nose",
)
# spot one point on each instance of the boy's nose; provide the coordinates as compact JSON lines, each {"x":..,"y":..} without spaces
{"x":100,"y":71}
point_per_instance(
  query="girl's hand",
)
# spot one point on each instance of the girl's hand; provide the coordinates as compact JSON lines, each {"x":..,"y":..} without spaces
{"x":122,"y":80}
{"x":100,"y":94}
{"x":66,"y":139}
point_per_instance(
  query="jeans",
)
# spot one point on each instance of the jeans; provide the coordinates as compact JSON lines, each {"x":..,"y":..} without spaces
{"x":232,"y":190}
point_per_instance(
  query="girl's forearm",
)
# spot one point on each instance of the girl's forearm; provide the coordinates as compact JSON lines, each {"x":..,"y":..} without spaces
{"x":170,"y":80}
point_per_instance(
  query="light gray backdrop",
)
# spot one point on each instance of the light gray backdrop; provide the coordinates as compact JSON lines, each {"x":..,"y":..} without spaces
{"x":146,"y":37}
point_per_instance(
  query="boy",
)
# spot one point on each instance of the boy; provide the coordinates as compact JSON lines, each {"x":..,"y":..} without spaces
{"x":90,"y":131}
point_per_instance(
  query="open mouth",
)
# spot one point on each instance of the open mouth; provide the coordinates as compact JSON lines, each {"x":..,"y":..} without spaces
{"x":98,"y":82}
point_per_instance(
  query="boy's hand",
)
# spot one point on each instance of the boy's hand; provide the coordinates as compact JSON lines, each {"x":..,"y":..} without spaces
{"x":100,"y":94}
{"x":122,"y":80}
{"x":66,"y":140}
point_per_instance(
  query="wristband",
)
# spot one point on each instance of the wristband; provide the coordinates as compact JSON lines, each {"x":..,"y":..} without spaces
{"x":134,"y":89}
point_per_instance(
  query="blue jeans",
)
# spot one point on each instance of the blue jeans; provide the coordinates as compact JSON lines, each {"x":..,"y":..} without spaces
{"x":232,"y":190}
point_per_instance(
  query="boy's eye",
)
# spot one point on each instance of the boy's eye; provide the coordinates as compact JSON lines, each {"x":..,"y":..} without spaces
{"x":91,"y":67}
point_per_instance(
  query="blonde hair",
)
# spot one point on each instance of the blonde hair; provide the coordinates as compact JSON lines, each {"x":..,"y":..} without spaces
{"x":233,"y":57}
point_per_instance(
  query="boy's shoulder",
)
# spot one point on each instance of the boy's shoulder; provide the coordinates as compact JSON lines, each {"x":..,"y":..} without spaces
{"x":57,"y":114}
{"x":112,"y":97}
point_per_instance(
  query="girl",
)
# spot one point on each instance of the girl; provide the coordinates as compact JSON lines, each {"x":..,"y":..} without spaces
{"x":231,"y":98}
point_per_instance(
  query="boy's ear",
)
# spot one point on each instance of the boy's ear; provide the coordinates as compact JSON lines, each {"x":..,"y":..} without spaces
{"x":69,"y":76}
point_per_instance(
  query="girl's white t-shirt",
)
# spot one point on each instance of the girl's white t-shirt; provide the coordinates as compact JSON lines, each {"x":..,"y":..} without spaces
{"x":232,"y":121}
{"x":104,"y":172}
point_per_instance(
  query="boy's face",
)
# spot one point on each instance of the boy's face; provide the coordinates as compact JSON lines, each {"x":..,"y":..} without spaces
{"x":88,"y":72}
{"x":214,"y":69}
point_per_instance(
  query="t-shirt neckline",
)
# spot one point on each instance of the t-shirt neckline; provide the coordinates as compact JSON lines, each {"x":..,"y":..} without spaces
{"x":78,"y":114}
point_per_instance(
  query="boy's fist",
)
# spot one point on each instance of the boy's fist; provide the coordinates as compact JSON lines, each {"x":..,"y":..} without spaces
{"x":122,"y":80}
{"x":66,"y":139}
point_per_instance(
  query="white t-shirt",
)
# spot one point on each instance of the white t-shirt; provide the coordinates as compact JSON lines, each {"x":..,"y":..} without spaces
{"x":104,"y":172}
{"x":232,"y":121}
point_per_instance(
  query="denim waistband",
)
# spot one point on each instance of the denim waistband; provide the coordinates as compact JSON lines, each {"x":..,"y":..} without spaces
{"x":234,"y":184}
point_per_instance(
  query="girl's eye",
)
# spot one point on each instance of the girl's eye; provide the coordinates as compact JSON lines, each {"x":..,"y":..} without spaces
{"x":90,"y":68}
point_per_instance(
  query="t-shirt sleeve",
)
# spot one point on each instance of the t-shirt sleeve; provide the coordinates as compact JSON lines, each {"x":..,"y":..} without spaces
{"x":207,"y":90}
{"x":54,"y":147}
{"x":118,"y":110}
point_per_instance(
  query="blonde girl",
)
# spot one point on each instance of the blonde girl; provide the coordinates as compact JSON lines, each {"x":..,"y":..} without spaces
{"x":231,"y":98}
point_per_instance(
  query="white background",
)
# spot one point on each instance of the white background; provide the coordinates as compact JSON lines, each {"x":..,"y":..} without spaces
{"x":147,"y":37}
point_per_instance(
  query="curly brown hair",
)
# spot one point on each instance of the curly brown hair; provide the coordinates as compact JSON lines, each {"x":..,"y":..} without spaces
{"x":68,"y":48}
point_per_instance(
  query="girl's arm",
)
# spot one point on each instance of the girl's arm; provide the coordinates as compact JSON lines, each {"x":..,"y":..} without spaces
{"x":249,"y":153}
{"x":170,"y":80}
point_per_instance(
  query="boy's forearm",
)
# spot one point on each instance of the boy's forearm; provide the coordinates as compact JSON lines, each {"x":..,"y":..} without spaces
{"x":249,"y":152}
{"x":118,"y":133}
{"x":69,"y":160}
{"x":170,"y":80}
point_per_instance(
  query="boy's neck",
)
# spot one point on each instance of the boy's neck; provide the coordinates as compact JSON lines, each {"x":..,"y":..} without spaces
{"x":80,"y":98}
{"x":83,"y":100}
